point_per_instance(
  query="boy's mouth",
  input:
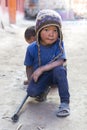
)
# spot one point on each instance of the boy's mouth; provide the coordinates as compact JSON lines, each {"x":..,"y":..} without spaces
{"x":50,"y":39}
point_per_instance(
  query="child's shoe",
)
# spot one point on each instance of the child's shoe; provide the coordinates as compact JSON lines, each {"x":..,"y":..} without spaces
{"x":43,"y":96}
{"x":63,"y":110}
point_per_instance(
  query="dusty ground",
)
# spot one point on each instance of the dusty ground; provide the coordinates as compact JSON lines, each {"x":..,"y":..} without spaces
{"x":42,"y":116}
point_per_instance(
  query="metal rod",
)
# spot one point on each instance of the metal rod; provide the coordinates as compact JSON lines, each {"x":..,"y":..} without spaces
{"x":15,"y":116}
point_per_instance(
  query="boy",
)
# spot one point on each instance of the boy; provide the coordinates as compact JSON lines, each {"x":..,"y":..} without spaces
{"x":45,"y":58}
{"x":30,"y":36}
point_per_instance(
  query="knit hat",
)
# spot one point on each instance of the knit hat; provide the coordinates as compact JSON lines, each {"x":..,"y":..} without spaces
{"x":46,"y":18}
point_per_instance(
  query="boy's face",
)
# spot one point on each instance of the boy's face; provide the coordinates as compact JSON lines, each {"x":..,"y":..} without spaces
{"x":49,"y":35}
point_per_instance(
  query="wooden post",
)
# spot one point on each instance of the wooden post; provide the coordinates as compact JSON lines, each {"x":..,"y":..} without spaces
{"x":2,"y":2}
{"x":20,"y":6}
{"x":12,"y":11}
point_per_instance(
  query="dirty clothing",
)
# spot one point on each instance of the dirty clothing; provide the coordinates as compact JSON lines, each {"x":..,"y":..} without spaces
{"x":48,"y":53}
{"x":56,"y":76}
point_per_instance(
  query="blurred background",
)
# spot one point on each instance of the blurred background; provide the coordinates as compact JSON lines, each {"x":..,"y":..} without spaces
{"x":13,"y":11}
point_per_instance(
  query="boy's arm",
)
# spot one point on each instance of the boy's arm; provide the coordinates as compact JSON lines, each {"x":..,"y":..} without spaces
{"x":52,"y":65}
{"x":29,"y":71}
{"x":46,"y":67}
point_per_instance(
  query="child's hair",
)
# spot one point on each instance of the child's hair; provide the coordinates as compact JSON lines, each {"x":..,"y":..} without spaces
{"x":29,"y":32}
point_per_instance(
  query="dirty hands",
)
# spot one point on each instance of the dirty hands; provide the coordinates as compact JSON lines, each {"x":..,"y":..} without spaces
{"x":36,"y":74}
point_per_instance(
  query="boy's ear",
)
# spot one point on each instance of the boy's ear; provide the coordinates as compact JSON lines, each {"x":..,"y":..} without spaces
{"x":33,"y":38}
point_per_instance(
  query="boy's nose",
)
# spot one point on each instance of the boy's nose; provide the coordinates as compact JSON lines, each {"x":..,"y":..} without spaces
{"x":51,"y":33}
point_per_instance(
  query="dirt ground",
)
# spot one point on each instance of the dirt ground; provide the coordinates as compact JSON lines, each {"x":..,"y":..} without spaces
{"x":42,"y":116}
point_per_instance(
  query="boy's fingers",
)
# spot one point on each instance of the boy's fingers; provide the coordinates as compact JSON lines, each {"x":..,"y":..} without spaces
{"x":35,"y":78}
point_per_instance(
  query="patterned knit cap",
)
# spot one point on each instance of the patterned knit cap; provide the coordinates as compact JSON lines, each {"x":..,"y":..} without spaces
{"x":46,"y":18}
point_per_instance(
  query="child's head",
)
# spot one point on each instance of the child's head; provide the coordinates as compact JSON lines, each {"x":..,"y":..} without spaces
{"x":47,"y":19}
{"x":30,"y":34}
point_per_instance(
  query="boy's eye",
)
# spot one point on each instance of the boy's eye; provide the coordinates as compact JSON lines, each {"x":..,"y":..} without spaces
{"x":55,"y":30}
{"x":46,"y":29}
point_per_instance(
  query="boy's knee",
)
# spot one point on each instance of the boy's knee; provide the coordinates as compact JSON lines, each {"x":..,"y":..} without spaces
{"x":59,"y":69}
{"x":59,"y":72}
{"x":32,"y":92}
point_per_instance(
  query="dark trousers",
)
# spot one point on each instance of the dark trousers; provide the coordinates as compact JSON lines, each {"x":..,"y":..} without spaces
{"x":56,"y":76}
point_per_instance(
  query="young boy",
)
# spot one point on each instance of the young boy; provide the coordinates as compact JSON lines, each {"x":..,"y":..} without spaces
{"x":44,"y":60}
{"x":30,"y":37}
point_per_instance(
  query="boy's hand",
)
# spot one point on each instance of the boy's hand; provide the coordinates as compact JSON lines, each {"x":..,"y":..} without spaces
{"x":37,"y":73}
{"x":46,"y":67}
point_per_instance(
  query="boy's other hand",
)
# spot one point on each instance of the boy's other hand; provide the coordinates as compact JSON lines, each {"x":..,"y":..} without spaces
{"x":36,"y":74}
